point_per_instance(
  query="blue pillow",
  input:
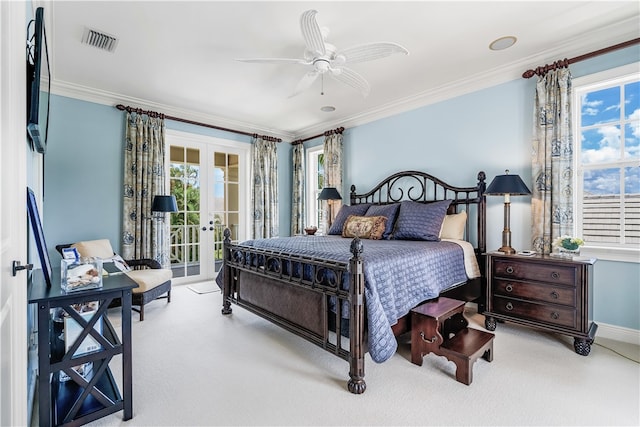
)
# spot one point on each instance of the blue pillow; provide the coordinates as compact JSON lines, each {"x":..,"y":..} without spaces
{"x":388,"y":211}
{"x":343,"y":214}
{"x":420,"y":221}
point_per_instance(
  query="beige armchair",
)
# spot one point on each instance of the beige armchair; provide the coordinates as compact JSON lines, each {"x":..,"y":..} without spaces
{"x":153,"y":280}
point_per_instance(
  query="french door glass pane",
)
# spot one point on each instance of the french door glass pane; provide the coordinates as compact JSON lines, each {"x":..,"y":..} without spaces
{"x":185,"y":224}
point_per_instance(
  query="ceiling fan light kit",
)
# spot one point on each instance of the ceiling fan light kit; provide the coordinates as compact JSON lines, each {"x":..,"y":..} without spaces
{"x":325,"y":58}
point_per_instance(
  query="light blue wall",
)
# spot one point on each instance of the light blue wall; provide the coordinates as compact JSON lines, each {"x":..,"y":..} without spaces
{"x":487,"y":130}
{"x":83,"y":169}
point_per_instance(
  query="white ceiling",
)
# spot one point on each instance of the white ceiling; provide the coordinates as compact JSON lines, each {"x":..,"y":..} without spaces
{"x":178,"y":57}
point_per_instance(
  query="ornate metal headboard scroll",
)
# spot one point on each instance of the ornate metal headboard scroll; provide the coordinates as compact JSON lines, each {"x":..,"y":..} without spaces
{"x":425,"y":188}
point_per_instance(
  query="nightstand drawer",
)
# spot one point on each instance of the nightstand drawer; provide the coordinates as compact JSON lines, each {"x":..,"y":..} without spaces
{"x":556,"y":315}
{"x":550,"y":273}
{"x":536,"y":291}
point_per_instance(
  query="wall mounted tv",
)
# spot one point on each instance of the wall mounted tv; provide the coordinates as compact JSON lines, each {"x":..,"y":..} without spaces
{"x":38,"y":83}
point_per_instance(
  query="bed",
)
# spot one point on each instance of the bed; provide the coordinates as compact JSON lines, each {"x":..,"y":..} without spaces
{"x":381,"y":257}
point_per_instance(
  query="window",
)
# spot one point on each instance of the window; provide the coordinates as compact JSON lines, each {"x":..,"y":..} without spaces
{"x":607,"y":160}
{"x":315,"y":183}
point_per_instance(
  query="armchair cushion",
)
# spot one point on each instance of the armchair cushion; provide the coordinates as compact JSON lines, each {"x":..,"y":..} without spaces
{"x":149,"y":279}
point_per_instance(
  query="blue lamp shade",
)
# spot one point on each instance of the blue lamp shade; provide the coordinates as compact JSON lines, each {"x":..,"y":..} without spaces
{"x":329,"y":193}
{"x":164,"y":204}
{"x":507,"y":184}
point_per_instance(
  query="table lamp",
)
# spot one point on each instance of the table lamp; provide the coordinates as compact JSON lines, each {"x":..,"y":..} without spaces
{"x":507,"y":185}
{"x":329,"y":193}
{"x":163,"y":204}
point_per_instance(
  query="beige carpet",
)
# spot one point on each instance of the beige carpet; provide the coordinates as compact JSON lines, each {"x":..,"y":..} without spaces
{"x":193,"y":366}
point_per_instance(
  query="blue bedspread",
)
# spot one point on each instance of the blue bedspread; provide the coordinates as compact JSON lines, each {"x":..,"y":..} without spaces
{"x":398,"y":276}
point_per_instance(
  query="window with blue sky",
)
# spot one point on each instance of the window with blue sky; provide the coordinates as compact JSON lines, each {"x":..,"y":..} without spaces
{"x":608,"y":161}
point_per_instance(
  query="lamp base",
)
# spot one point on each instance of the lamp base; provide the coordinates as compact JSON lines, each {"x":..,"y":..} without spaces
{"x":507,"y":250}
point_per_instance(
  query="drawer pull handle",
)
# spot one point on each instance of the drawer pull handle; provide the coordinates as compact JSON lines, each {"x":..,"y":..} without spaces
{"x":509,"y":287}
{"x":509,"y":269}
{"x":509,"y":306}
{"x":554,"y":295}
{"x":555,"y":275}
{"x":431,"y":341}
{"x":555,"y":315}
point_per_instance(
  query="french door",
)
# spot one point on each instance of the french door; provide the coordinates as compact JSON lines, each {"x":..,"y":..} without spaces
{"x":209,"y":178}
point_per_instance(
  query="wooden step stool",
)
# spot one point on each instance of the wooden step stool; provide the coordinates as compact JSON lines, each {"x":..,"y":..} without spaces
{"x":439,"y":327}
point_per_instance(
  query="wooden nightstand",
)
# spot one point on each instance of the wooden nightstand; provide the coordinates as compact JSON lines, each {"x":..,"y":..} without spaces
{"x":546,"y":292}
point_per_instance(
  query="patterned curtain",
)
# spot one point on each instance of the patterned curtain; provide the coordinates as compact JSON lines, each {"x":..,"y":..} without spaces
{"x":264,"y":194}
{"x":332,"y":176}
{"x":552,"y":161}
{"x":142,"y":236}
{"x":298,"y":196}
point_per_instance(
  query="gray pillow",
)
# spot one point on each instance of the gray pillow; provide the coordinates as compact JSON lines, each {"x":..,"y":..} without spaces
{"x":420,"y":221}
{"x":388,"y":211}
{"x":343,"y":214}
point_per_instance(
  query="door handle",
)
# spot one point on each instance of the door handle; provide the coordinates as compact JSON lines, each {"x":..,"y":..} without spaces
{"x":204,"y":228}
{"x":17,"y":266}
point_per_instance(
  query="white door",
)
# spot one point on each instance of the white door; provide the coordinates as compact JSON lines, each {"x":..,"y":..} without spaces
{"x":209,"y":178}
{"x":13,"y":289}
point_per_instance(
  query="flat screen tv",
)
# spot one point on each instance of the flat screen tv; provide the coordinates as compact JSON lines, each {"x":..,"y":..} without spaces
{"x":38,"y":83}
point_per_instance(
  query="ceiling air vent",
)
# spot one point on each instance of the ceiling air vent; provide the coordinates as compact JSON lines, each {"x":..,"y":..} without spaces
{"x":99,"y":39}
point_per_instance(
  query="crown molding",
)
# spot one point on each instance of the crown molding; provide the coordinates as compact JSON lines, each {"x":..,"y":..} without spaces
{"x":85,"y":93}
{"x":598,"y":39}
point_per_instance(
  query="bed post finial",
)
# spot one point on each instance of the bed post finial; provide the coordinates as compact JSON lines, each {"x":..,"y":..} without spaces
{"x":356,"y":247}
{"x":352,"y":195}
{"x":227,"y":235}
{"x":482,"y":185}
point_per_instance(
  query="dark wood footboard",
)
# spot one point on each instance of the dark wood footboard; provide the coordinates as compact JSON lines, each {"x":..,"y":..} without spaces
{"x":266,"y":283}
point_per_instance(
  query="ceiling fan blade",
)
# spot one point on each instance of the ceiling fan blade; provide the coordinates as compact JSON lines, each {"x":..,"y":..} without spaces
{"x":370,"y":51}
{"x":276,"y":60}
{"x":351,"y":78}
{"x":311,"y":32}
{"x":305,"y":83}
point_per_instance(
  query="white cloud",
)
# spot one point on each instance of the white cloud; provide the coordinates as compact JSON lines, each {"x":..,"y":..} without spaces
{"x":590,"y":108}
{"x":605,"y":154}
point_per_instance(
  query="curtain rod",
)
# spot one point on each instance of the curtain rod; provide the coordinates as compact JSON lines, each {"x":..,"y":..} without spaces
{"x":541,"y":71}
{"x":191,"y":122}
{"x":327,"y":133}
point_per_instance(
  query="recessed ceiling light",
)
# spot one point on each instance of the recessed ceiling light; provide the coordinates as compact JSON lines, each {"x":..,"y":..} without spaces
{"x":502,"y":43}
{"x":328,"y":108}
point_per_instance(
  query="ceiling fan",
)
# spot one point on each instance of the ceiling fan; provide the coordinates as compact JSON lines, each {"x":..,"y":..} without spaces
{"x":325,"y":58}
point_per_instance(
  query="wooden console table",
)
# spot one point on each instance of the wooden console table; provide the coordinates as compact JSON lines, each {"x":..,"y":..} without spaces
{"x":79,"y":400}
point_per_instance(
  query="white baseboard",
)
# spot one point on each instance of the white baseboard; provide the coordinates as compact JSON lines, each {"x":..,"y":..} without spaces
{"x":618,"y":333}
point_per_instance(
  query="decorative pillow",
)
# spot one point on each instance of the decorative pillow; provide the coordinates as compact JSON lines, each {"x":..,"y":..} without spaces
{"x":389,"y":211}
{"x":453,"y":226}
{"x":343,"y":214}
{"x":420,"y":221}
{"x":364,"y":227}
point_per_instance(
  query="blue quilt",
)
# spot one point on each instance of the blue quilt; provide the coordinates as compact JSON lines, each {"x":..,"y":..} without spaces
{"x":399,"y":274}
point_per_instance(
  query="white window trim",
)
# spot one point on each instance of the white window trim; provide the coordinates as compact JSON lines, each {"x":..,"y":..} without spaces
{"x":590,"y":83}
{"x":312,"y":184}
